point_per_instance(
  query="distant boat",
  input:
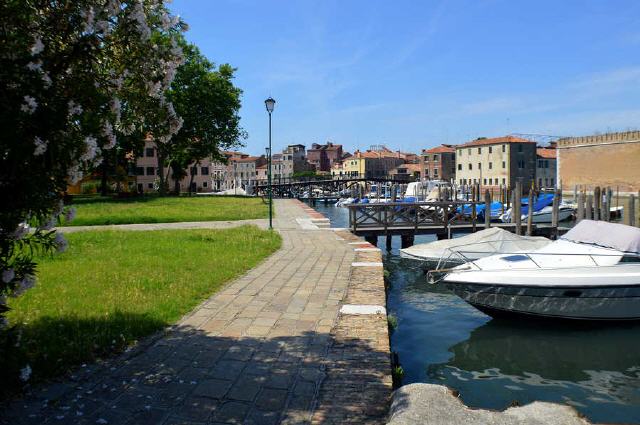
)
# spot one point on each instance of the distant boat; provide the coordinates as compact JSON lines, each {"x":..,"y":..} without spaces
{"x":591,"y":273}
{"x":542,"y":210}
{"x":474,"y":246}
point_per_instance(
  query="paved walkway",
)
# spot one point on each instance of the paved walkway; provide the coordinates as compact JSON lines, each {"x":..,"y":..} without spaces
{"x":255,"y":352}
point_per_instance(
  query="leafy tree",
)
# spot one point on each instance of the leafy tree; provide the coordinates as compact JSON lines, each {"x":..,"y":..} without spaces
{"x":77,"y":77}
{"x":206,"y":99}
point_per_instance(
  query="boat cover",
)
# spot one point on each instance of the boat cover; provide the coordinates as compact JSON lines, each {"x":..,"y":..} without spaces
{"x":609,"y":235}
{"x":476,"y":245}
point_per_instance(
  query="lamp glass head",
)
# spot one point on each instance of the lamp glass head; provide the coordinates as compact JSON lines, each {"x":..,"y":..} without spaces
{"x":270,"y":103}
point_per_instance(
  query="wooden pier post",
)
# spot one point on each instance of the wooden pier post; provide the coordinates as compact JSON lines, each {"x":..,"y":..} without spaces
{"x":630,"y":212}
{"x":529,"y":215}
{"x":473,"y":208}
{"x":589,"y":208}
{"x":609,"y":199}
{"x":517,"y":201}
{"x":406,"y":241}
{"x":554,"y":215}
{"x":487,"y":209}
{"x":580,"y":213}
{"x":597,"y":200}
{"x":388,"y":242}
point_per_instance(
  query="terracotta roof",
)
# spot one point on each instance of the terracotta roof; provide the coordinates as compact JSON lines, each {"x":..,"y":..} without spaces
{"x":495,"y":141}
{"x":259,"y":167}
{"x":441,"y":149}
{"x":247,"y":159}
{"x":546,"y":153}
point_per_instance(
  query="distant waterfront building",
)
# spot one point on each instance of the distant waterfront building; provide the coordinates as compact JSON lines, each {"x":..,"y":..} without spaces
{"x":369,"y":164}
{"x":406,"y":172}
{"x":611,"y":159}
{"x":496,"y":161}
{"x":546,"y":167}
{"x":322,"y":157}
{"x":439,"y":163}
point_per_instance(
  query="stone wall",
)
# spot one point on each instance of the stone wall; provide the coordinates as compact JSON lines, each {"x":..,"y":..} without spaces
{"x":604,"y":160}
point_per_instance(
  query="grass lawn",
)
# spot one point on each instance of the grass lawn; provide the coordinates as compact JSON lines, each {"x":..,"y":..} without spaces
{"x":96,"y":210}
{"x":111,"y":288}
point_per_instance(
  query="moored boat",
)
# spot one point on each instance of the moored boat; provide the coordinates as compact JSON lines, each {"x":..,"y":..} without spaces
{"x":591,"y":273}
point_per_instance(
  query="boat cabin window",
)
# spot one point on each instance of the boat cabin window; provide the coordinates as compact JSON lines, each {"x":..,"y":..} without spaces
{"x":630,"y":258}
{"x":514,"y":258}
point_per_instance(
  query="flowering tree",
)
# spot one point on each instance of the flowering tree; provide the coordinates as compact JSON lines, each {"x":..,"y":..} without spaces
{"x":75,"y":77}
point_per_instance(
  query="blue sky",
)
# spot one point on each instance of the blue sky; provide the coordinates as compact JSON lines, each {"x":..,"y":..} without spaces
{"x":412,"y":75}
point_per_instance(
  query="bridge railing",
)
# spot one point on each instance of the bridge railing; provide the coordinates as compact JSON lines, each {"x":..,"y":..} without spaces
{"x":385,"y":216}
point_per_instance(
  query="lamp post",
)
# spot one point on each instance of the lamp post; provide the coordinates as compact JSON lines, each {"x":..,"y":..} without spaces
{"x":269,"y":104}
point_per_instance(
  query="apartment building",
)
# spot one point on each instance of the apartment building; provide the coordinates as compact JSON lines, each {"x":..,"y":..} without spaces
{"x":611,"y":159}
{"x":546,"y":167}
{"x":368,"y":164}
{"x":322,"y":157}
{"x":496,"y":161}
{"x":407,"y":172}
{"x":147,"y":175}
{"x":439,"y":163}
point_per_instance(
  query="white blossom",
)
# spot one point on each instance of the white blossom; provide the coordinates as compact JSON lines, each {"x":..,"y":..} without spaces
{"x":8,"y":275}
{"x":138,"y":15}
{"x":26,"y":283}
{"x":75,"y":174}
{"x":91,"y":148}
{"x":61,"y":242}
{"x":25,"y":373}
{"x":38,"y":46}
{"x":88,"y":16}
{"x":70,"y":214}
{"x":21,"y":231}
{"x":107,"y":131}
{"x":41,"y":146}
{"x":116,"y":108}
{"x":74,"y":108}
{"x":30,"y":105}
{"x":103,"y":27}
{"x":46,"y":80}
{"x":34,"y":66}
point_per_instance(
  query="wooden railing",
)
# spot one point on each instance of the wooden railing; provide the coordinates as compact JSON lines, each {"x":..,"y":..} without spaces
{"x":406,"y":216}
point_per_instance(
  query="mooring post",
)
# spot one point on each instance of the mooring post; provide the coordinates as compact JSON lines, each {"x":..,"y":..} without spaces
{"x":372,"y":239}
{"x":517,"y":202}
{"x":580,"y":213}
{"x":530,"y":215}
{"x":388,"y":242}
{"x":554,"y":215}
{"x":597,"y":200}
{"x":631,"y":211}
{"x":589,"y":208}
{"x":406,"y":240}
{"x":487,"y":209}
{"x":473,"y":209}
{"x":609,"y":199}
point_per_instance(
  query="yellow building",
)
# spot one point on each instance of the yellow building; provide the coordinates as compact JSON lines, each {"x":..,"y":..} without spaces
{"x":368,"y":164}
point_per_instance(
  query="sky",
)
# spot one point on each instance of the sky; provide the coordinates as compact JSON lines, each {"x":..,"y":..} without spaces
{"x":414,"y":74}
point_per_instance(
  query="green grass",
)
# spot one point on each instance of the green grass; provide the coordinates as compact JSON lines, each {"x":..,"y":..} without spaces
{"x":96,"y":210}
{"x":112,"y":288}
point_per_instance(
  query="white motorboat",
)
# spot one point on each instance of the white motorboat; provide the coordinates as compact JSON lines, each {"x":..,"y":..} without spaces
{"x":544,"y":215}
{"x":474,"y":246}
{"x":591,"y":273}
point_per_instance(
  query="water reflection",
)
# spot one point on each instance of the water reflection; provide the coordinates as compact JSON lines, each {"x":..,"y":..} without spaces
{"x":441,"y":339}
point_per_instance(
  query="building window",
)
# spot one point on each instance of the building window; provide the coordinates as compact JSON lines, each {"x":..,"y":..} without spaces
{"x":540,"y":182}
{"x":139,"y":171}
{"x":194,"y":171}
{"x":148,"y":152}
{"x":479,"y":165}
{"x":461,"y":182}
{"x":490,"y":149}
{"x":459,"y":167}
{"x":504,"y":181}
{"x":540,"y":163}
{"x":552,"y":184}
{"x":519,"y":147}
{"x":151,"y":171}
{"x":435,"y":172}
{"x":520,"y":164}
{"x":491,"y":165}
{"x":204,"y":184}
{"x":485,"y":182}
{"x":150,"y":185}
{"x":435,"y":158}
{"x":140,"y":187}
{"x":469,"y":151}
{"x":479,"y":150}
{"x":204,"y":171}
{"x":504,"y":164}
{"x":470,"y":167}
{"x":504,"y":149}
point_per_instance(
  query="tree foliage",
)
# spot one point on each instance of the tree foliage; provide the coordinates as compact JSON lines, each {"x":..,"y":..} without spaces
{"x":77,"y":77}
{"x":206,"y":99}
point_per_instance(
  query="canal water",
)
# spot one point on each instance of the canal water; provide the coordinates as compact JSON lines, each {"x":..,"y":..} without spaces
{"x":493,"y":364}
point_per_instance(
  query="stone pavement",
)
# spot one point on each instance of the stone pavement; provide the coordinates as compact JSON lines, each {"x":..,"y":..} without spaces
{"x":271,"y":347}
{"x":262,"y":223}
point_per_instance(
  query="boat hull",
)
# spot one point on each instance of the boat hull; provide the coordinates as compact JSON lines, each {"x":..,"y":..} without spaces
{"x":569,"y":302}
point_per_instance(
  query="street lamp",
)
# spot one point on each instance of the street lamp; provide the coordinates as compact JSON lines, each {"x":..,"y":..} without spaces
{"x":269,"y":103}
